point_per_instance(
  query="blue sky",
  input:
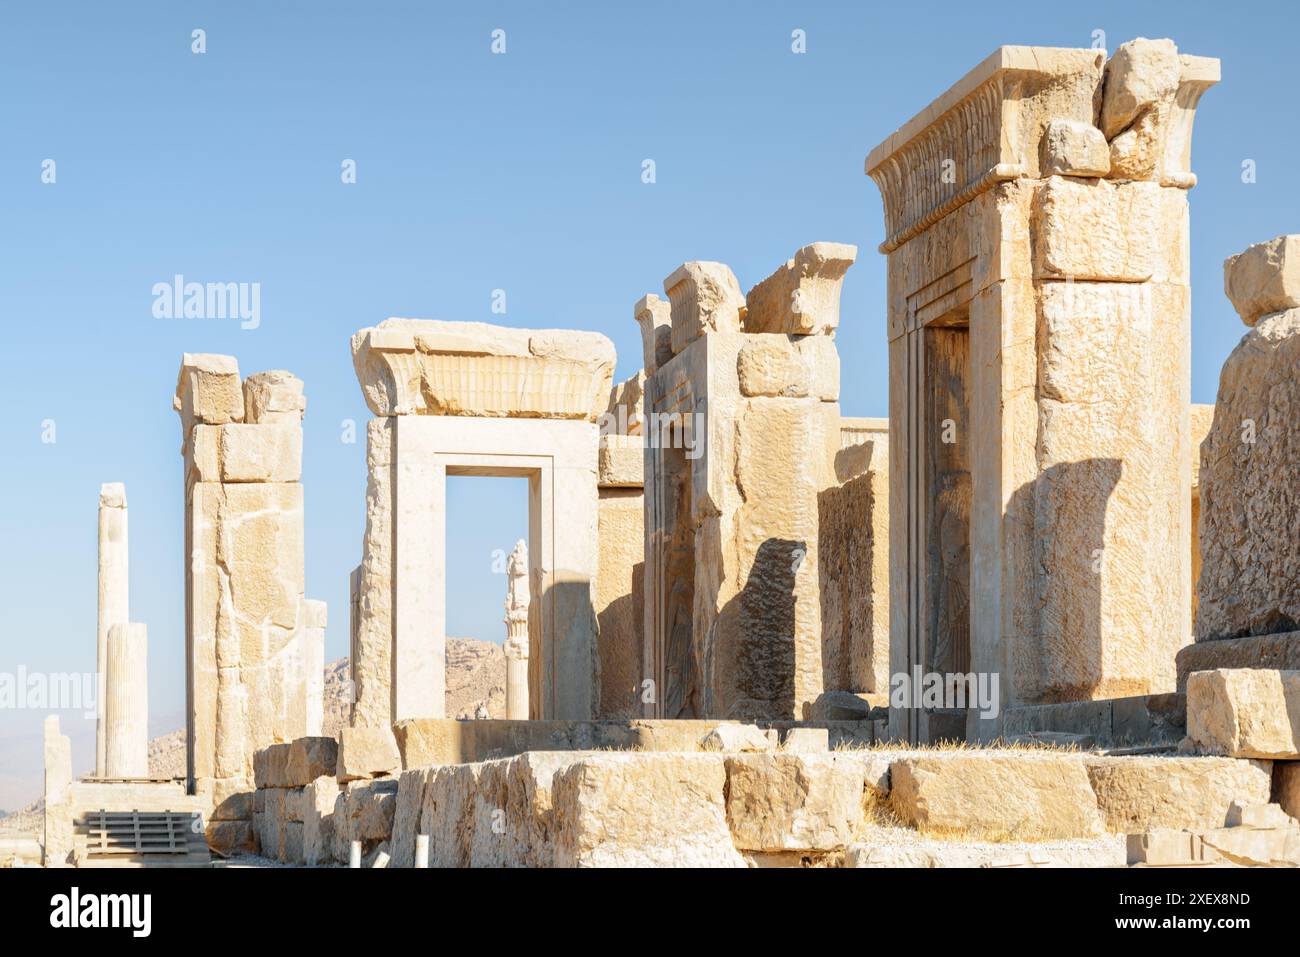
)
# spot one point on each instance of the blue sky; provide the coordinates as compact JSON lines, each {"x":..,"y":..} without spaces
{"x":475,"y":172}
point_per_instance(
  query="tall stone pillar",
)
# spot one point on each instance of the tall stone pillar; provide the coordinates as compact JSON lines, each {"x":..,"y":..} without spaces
{"x":246,"y":616}
{"x":113,"y":593}
{"x":126,"y":711}
{"x":742,"y":430}
{"x":1036,"y":229}
{"x":516,"y":647}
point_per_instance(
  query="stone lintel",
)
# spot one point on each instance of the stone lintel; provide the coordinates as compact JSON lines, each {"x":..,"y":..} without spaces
{"x":431,"y":367}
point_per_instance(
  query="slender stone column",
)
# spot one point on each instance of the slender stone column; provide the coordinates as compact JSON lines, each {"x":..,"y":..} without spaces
{"x":126,"y":708}
{"x":112,"y":593}
{"x":516,"y":647}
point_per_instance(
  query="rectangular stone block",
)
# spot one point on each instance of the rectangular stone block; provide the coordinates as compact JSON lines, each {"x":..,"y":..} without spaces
{"x":319,"y":799}
{"x":1097,"y":230}
{"x":1245,"y":713}
{"x":969,"y":795}
{"x":208,"y":391}
{"x":310,"y":758}
{"x":270,"y":766}
{"x":642,"y":810}
{"x":621,"y":462}
{"x":1147,"y":793}
{"x":366,"y":753}
{"x":258,"y":453}
{"x":783,"y":802}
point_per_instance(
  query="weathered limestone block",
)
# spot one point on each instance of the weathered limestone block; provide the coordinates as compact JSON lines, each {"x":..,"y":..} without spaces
{"x":274,"y":398}
{"x":1146,"y":793}
{"x":1072,"y":148}
{"x":126,"y":708}
{"x":293,"y":843}
{"x":972,"y":795}
{"x":239,"y":452}
{"x":730,"y":736}
{"x":1264,"y":279}
{"x":1255,"y":846}
{"x":621,"y":463}
{"x":430,"y":367}
{"x":406,"y":816}
{"x":654,"y":316}
{"x":770,"y":365}
{"x":319,"y":800}
{"x":208,"y":391}
{"x":803,"y":296}
{"x":789,"y":367}
{"x":529,"y":812}
{"x":1250,"y":555}
{"x":422,"y":742}
{"x":1109,"y":503}
{"x":364,"y":812}
{"x":783,"y":802}
{"x":1099,"y":230}
{"x":270,"y":823}
{"x":447,"y":813}
{"x":365,"y":752}
{"x":308,"y":759}
{"x":642,"y":810}
{"x":228,"y":838}
{"x":704,"y":298}
{"x":372,"y":659}
{"x":1245,"y":713}
{"x":1137,"y":105}
{"x":271,"y":766}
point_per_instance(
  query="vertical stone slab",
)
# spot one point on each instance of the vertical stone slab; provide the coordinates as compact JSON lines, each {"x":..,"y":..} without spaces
{"x":113,"y":592}
{"x":313,"y":651}
{"x":58,"y":825}
{"x":126,"y":710}
{"x":372,"y":657}
{"x":420,"y":573}
{"x":853,"y":560}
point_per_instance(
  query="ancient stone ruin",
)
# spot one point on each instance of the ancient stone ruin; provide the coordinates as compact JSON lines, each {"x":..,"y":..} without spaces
{"x":743,"y":629}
